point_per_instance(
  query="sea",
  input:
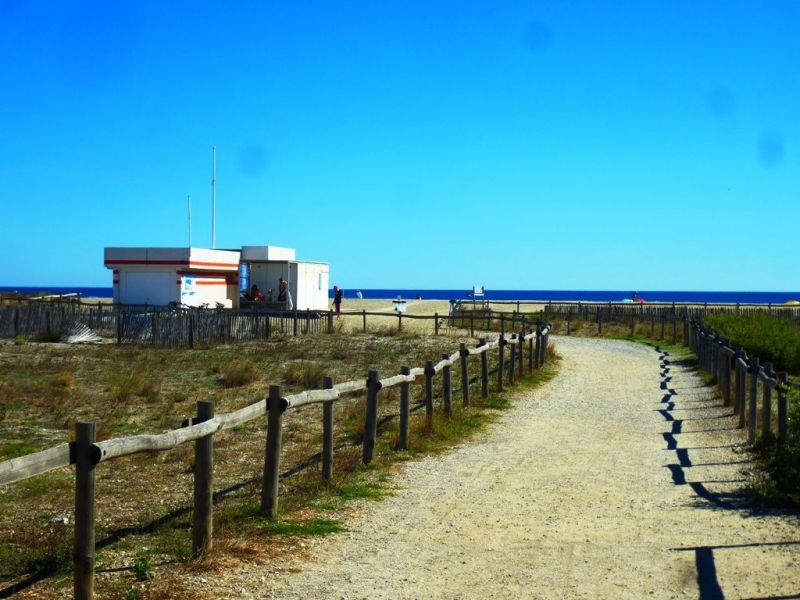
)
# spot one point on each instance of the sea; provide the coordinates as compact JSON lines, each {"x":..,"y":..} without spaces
{"x":551,"y":295}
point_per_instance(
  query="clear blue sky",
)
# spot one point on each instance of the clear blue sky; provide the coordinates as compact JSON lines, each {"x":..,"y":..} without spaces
{"x":530,"y":145}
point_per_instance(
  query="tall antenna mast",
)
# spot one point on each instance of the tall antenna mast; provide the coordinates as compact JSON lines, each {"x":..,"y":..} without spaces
{"x":189,"y":201}
{"x":213,"y":196}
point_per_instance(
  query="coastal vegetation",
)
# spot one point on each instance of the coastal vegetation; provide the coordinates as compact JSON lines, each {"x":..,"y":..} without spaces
{"x":144,"y":501}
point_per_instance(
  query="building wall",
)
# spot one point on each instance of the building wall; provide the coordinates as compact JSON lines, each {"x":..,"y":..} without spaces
{"x":312,"y":286}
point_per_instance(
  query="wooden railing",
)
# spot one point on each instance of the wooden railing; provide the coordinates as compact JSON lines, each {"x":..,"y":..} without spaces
{"x":517,"y":352}
{"x":722,"y":360}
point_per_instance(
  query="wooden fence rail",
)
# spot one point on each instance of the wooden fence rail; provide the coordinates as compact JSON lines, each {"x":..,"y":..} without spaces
{"x":722,"y":361}
{"x":86,"y":453}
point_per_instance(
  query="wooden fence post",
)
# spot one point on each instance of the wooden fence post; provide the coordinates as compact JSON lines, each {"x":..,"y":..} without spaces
{"x":203,"y":514}
{"x":501,"y":366}
{"x":512,"y":361}
{"x":399,"y":321}
{"x":530,"y":354}
{"x":464,"y":353}
{"x":405,"y":403}
{"x":766,"y":406}
{"x":327,"y":433}
{"x":538,"y":351}
{"x":783,"y":407}
{"x":599,"y":322}
{"x":436,"y":323}
{"x":674,"y":330}
{"x":330,"y":320}
{"x":364,"y":318}
{"x":294,"y":323}
{"x":652,"y":324}
{"x":447,"y":388}
{"x":520,"y":352}
{"x":502,"y":323}
{"x":429,"y":373}
{"x":269,"y":490}
{"x":543,"y":358}
{"x":371,"y":416}
{"x":484,"y":369}
{"x":86,"y":456}
{"x":755,"y":367}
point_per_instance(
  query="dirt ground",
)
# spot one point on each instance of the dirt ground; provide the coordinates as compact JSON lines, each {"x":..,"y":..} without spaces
{"x":621,"y":478}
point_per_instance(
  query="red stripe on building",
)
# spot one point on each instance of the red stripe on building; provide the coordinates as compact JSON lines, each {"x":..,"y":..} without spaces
{"x":201,"y":282}
{"x":183,"y":263}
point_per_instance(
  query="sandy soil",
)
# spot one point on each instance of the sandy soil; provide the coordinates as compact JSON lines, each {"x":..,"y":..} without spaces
{"x":618,"y":479}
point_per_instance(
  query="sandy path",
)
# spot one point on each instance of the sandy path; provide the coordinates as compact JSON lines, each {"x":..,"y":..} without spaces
{"x":575,"y":493}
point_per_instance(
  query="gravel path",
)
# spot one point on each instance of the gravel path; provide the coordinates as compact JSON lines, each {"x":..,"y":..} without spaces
{"x":617,"y":479}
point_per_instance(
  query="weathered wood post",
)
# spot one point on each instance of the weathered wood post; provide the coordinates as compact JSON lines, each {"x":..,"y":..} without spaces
{"x":371,"y":417}
{"x":190,"y":320}
{"x":633,"y":324}
{"x":471,"y":323}
{"x":484,"y":369}
{"x":429,"y":373}
{"x":740,"y":387}
{"x":86,"y":457}
{"x":330,"y":321}
{"x":530,"y":353}
{"x":538,"y":350}
{"x":436,"y":323}
{"x":119,"y":326}
{"x":294,"y":323}
{"x":269,"y":490}
{"x":545,"y":336}
{"x":512,"y":361}
{"x":502,"y":323}
{"x":755,"y":368}
{"x":783,"y":407}
{"x":364,"y":319}
{"x":501,"y":365}
{"x":405,"y":408}
{"x":203,"y":514}
{"x":327,"y":433}
{"x":447,"y":388}
{"x":520,"y":352}
{"x":766,"y":406}
{"x":16,"y":321}
{"x":464,"y":353}
{"x":685,"y":331}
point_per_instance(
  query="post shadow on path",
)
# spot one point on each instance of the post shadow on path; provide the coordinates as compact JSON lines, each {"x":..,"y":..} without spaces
{"x":708,"y":584}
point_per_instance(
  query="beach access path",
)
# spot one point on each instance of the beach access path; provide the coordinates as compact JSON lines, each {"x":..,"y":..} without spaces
{"x":620,"y":478}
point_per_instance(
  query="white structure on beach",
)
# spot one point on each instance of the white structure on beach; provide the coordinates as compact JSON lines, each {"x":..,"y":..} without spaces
{"x":205,"y":277}
{"x":307,"y":281}
{"x":188,"y":276}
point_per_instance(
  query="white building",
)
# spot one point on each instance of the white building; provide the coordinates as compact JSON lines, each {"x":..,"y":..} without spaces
{"x":188,"y":276}
{"x":307,"y":281}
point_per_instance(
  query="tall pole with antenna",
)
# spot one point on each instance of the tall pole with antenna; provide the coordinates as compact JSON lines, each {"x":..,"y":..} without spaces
{"x":189,"y":202}
{"x":213,"y":196}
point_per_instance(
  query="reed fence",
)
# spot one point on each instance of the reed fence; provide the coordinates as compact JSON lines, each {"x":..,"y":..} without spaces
{"x":517,"y":353}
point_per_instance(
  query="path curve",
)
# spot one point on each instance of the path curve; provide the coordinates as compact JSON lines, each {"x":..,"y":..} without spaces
{"x":587,"y":488}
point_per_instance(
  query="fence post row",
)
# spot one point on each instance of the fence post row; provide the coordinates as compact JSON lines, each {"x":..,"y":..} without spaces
{"x":755,"y":369}
{"x":501,"y":363}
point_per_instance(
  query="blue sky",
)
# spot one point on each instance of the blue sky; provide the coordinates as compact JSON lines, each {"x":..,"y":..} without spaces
{"x":520,"y":145}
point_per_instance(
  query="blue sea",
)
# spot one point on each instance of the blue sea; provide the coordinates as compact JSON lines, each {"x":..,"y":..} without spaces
{"x":553,"y":295}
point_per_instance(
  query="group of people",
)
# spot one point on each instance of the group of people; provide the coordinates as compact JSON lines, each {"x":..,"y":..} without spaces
{"x":256,"y":295}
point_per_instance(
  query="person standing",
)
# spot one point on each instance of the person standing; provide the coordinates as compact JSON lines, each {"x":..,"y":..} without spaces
{"x":281,"y":290}
{"x":337,"y":299}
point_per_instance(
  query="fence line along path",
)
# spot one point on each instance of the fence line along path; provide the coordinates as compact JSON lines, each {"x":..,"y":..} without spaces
{"x":572,"y":494}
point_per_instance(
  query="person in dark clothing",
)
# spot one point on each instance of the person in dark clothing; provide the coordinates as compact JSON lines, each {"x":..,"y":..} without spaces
{"x":281,"y":290}
{"x":256,"y":295}
{"x":337,"y":299}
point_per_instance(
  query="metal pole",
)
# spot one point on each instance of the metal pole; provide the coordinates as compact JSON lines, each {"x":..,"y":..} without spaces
{"x":213,"y":196}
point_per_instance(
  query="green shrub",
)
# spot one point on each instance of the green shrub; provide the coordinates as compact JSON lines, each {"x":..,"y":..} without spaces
{"x":776,"y":476}
{"x":765,"y":336}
